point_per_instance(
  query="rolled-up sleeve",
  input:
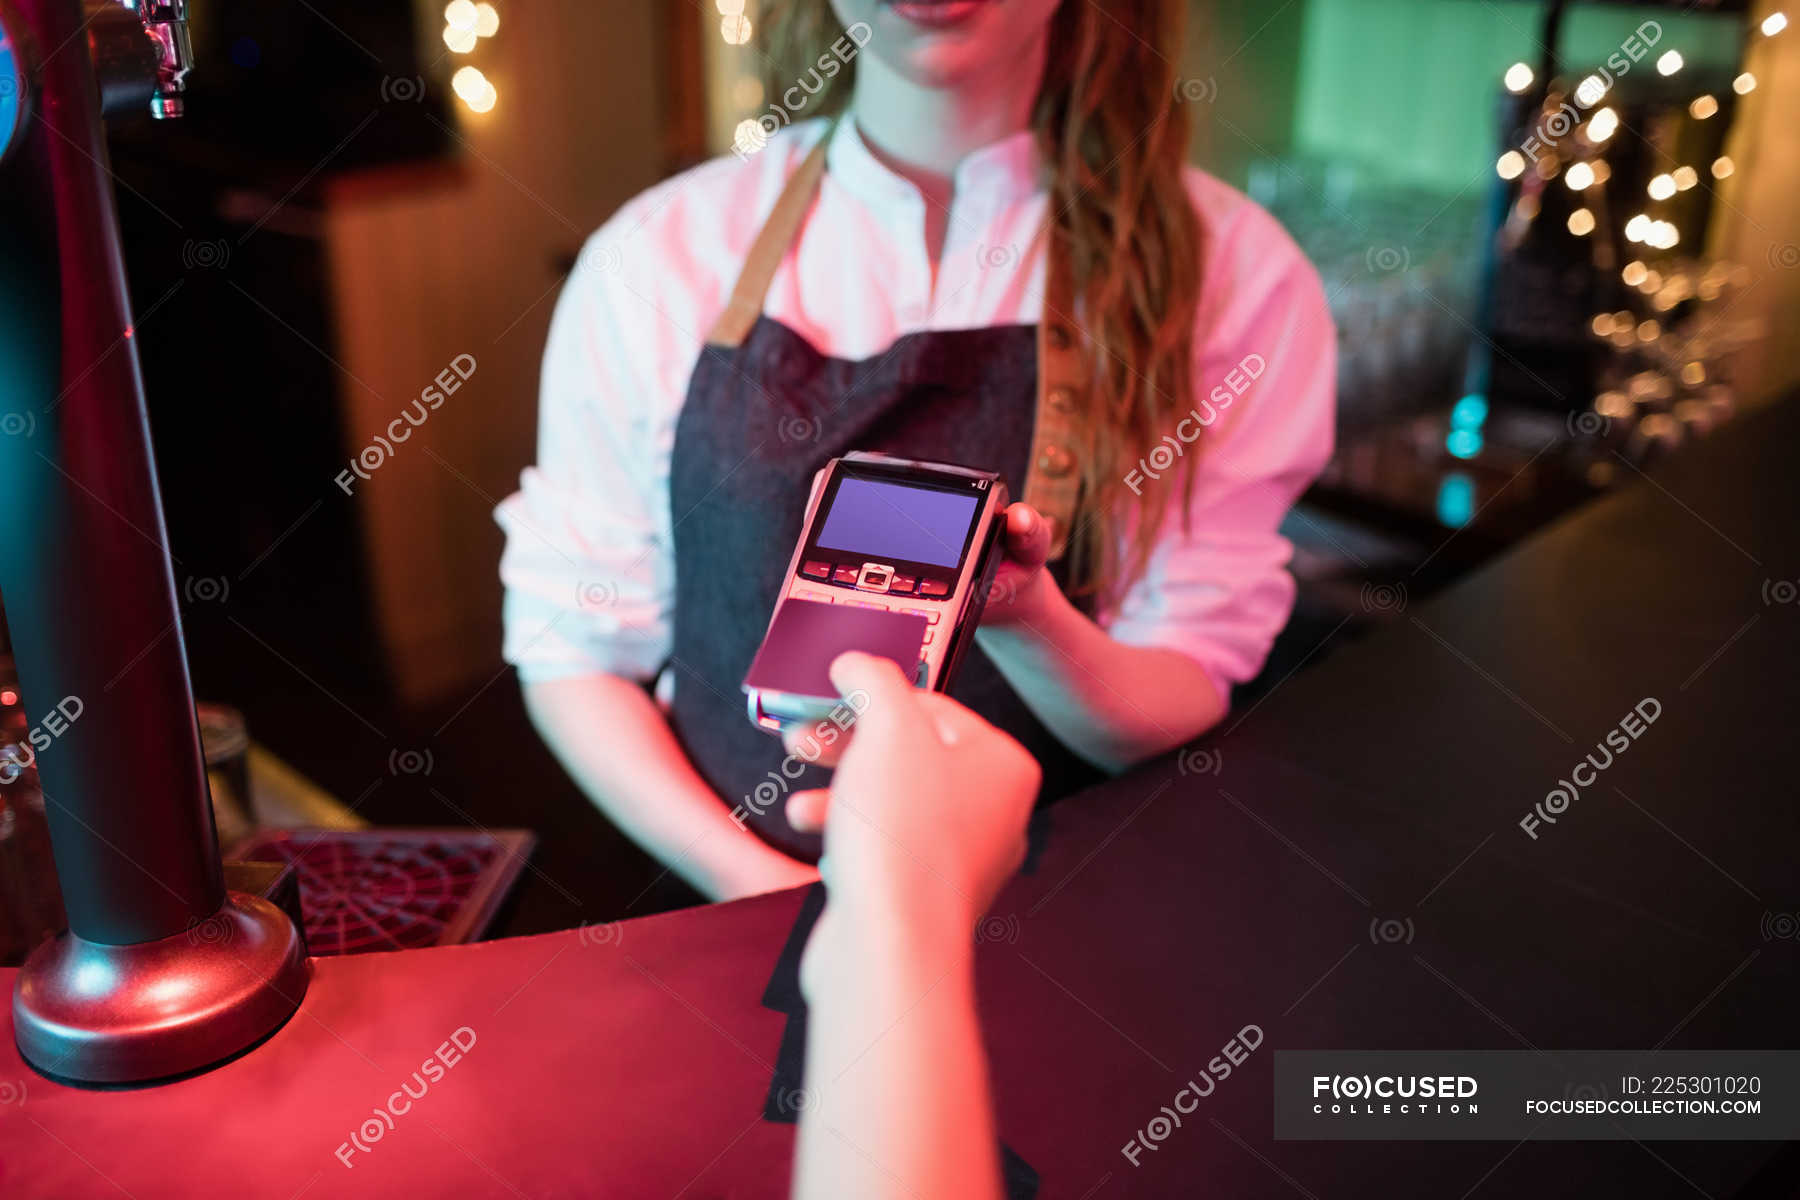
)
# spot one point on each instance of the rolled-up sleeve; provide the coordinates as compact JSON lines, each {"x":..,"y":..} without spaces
{"x":1217,"y":587}
{"x":587,"y":568}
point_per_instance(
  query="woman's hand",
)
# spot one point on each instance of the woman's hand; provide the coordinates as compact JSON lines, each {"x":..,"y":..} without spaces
{"x":1023,"y":590}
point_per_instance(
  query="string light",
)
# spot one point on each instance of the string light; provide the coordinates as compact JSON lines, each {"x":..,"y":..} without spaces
{"x":1511,"y":165}
{"x":1669,"y":63}
{"x":735,"y":29}
{"x":1589,"y":91}
{"x":1518,"y":77}
{"x":1638,"y":228}
{"x":1602,"y":125}
{"x":1601,"y":171}
{"x":1703,"y":107}
{"x":1685,"y":178}
{"x":1723,"y":167}
{"x":1744,"y":84}
{"x":1774,"y":23}
{"x":749,"y":136}
{"x":466,"y":23}
{"x":1580,"y":177}
{"x":1663,"y":235}
{"x":1662,"y":187}
{"x":1634,"y":273}
{"x":473,"y":89}
{"x":1581,"y":222}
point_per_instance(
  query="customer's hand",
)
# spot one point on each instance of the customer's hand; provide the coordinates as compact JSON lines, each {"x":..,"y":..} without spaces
{"x":925,"y":817}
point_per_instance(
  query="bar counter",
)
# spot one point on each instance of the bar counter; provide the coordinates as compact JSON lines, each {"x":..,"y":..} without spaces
{"x":1345,"y":864}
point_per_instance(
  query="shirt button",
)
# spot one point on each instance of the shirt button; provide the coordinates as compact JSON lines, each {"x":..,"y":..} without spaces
{"x":1062,"y":399}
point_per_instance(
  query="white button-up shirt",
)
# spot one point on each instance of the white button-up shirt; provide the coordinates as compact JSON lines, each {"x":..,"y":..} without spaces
{"x":589,"y":562}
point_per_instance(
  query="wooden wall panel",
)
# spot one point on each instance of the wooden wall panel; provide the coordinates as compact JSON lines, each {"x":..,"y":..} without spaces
{"x":466,"y":262}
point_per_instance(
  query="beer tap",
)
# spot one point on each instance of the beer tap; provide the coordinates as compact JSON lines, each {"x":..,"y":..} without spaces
{"x":165,"y":21}
{"x":163,"y":970}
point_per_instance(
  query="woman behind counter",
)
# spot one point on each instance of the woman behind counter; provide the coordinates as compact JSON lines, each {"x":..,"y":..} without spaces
{"x":986,"y":189}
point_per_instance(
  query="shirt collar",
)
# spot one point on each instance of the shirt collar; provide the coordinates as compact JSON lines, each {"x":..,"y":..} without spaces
{"x":987,"y":180}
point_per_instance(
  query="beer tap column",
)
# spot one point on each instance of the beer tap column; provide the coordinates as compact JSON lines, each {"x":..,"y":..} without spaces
{"x":162,"y":971}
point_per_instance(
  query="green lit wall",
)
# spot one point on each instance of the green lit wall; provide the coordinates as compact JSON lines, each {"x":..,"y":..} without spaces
{"x":1407,"y":87}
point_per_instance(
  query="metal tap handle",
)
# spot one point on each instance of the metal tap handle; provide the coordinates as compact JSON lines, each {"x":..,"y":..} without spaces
{"x":166,"y":23}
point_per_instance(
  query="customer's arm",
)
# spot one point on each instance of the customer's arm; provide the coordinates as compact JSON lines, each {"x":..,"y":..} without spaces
{"x":614,"y":741}
{"x":924,"y":821}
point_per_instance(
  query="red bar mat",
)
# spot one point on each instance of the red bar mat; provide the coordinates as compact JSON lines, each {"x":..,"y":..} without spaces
{"x":394,"y":889}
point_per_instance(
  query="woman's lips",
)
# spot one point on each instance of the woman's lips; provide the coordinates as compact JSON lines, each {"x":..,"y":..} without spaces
{"x":937,"y":14}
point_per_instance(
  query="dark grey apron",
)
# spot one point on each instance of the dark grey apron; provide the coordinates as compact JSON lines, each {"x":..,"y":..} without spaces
{"x":760,"y":418}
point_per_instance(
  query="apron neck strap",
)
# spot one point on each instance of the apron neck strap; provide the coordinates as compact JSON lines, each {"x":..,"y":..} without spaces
{"x":1053,"y":479}
{"x":771,"y":246}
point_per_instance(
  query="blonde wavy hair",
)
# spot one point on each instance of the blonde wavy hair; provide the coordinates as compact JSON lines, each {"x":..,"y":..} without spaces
{"x":1114,"y":139}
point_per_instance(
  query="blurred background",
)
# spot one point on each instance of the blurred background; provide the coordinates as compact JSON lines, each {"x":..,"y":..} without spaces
{"x":1558,"y":238}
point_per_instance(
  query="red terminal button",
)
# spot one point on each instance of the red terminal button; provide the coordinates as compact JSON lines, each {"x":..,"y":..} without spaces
{"x":901,"y":583}
{"x":844,"y":575}
{"x":817,"y":570}
{"x":933,"y":587}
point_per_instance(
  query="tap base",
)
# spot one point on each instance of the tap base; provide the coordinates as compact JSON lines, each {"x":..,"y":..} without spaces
{"x":89,"y":1013}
